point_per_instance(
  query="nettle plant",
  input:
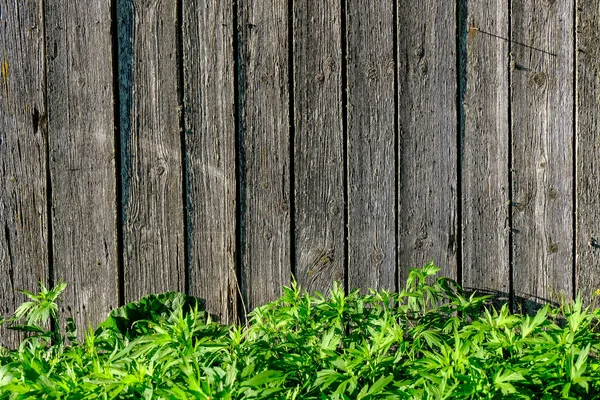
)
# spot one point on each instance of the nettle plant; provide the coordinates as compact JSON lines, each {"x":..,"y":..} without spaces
{"x":430,"y":341}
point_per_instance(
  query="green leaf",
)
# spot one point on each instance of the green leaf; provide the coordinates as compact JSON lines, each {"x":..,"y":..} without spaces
{"x":503,"y":379}
{"x":432,"y":338}
{"x":330,"y":340}
{"x":380,"y":384}
{"x":326,"y":377}
{"x":231,"y":374}
{"x":508,"y":376}
{"x":6,"y":376}
{"x":582,"y":358}
{"x":150,"y":308}
{"x":264,"y":377}
{"x":27,"y":328}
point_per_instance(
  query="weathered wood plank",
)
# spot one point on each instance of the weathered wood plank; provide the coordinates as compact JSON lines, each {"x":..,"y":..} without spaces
{"x":427,"y":200}
{"x":588,"y":149}
{"x":263,"y":90}
{"x":153,"y":240}
{"x":23,"y":206}
{"x":485,"y":184}
{"x":82,"y":156}
{"x":211,"y":154}
{"x":371,"y":145}
{"x":542,"y":128}
{"x":318,"y":145}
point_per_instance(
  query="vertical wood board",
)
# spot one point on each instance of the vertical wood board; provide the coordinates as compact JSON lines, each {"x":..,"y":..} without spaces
{"x":542,"y":151}
{"x":208,"y":68}
{"x":23,"y":164}
{"x":371,"y":145}
{"x":264,"y":146}
{"x":588,"y":149}
{"x":82,"y":156}
{"x":427,"y":119}
{"x":153,"y":239}
{"x":485,"y":183}
{"x":318,"y":145}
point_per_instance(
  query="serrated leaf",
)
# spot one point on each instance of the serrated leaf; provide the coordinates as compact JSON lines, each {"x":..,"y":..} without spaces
{"x":326,"y":377}
{"x":508,"y":376}
{"x":263,"y":378}
{"x":380,"y":384}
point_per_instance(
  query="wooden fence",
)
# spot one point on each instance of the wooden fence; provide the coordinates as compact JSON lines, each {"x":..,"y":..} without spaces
{"x":191,"y":145}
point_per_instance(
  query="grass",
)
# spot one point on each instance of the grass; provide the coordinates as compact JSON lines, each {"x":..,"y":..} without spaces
{"x":430,"y":341}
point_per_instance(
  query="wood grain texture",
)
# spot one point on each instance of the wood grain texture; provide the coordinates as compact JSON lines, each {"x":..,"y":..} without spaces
{"x":318,"y":145}
{"x":264,"y":146}
{"x":485,"y":183}
{"x":211,"y":156}
{"x":427,"y":159}
{"x":542,"y":128}
{"x":23,"y":206}
{"x":153,"y":226}
{"x":588,"y":149}
{"x":371,"y":145}
{"x":402,"y":185}
{"x":82,"y":156}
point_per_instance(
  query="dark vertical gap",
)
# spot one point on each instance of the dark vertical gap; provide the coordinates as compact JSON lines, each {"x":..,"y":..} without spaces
{"x":574,"y":147}
{"x":396,"y":147}
{"x":292,"y":139}
{"x":511,"y":267}
{"x":461,"y":84}
{"x":344,"y":88}
{"x":239,"y":160}
{"x":184,"y":158}
{"x":45,"y":130}
{"x":119,"y":204}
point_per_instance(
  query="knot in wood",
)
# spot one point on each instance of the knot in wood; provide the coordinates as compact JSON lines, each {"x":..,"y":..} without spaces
{"x":552,"y":193}
{"x":539,"y":79}
{"x":330,"y":64}
{"x":372,"y":74}
{"x":419,"y":52}
{"x":161,"y":169}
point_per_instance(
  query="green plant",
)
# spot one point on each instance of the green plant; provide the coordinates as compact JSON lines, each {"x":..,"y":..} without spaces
{"x":429,"y":341}
{"x":39,"y":314}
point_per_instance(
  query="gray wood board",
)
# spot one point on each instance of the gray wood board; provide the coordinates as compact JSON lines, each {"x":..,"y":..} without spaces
{"x":23,"y":206}
{"x":427,"y":157}
{"x":485,"y":183}
{"x":211,"y":157}
{"x":264,"y":143}
{"x":371,"y":145}
{"x":588,"y":149}
{"x":153,"y":226}
{"x":542,"y":129}
{"x":82,"y":156}
{"x":318,"y":145}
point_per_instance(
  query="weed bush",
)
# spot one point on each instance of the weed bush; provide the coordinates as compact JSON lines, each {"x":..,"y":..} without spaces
{"x":430,"y":341}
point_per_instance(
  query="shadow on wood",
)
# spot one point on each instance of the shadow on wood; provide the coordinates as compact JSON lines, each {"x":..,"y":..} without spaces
{"x":520,"y":305}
